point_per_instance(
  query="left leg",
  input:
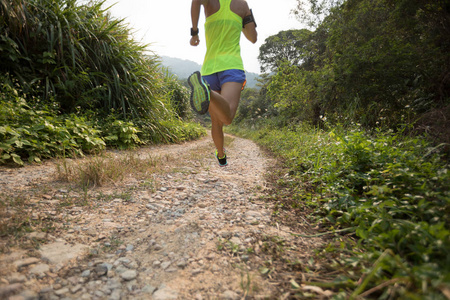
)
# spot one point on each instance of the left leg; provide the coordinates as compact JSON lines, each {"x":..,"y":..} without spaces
{"x":231,"y":93}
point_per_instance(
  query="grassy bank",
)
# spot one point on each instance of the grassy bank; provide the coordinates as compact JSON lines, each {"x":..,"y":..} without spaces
{"x":390,"y":192}
{"x":74,"y":81}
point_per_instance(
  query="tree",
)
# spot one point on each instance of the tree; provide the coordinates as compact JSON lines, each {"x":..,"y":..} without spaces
{"x":286,"y":46}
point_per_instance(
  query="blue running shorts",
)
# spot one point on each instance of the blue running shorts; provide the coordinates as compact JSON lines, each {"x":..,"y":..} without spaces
{"x":216,"y":80}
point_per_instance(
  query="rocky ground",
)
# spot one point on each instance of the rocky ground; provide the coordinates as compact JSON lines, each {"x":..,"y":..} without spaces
{"x":187,"y":230}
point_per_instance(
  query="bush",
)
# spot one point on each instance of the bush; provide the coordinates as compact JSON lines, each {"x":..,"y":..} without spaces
{"x":82,"y":58}
{"x":34,"y":133}
{"x":391,"y":191}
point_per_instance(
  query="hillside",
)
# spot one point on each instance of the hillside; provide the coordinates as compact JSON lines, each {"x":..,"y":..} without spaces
{"x":183,"y":68}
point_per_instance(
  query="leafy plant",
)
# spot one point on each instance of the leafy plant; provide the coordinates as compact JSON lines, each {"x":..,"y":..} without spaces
{"x":83,"y":59}
{"x":34,"y":133}
{"x":122,"y":134}
{"x":390,"y":190}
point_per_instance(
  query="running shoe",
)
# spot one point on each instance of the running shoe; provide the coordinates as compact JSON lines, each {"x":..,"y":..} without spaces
{"x":200,"y":93}
{"x":222,"y":160}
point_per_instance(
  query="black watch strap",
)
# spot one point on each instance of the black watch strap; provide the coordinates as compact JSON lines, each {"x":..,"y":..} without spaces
{"x":194,"y":32}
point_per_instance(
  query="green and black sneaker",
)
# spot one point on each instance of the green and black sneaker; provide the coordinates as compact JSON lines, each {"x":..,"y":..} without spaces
{"x":222,"y":160}
{"x":200,"y":93}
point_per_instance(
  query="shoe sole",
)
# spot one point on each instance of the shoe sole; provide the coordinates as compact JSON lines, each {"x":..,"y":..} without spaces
{"x":199,"y":94}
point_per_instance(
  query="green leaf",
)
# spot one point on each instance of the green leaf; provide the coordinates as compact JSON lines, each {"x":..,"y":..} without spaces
{"x":16,"y":158}
{"x":295,"y":285}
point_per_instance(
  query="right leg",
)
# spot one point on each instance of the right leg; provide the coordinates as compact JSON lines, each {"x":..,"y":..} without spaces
{"x":217,"y":133}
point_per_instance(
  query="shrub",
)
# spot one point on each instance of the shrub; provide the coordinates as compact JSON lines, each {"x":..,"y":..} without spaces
{"x":34,"y":133}
{"x":391,"y":191}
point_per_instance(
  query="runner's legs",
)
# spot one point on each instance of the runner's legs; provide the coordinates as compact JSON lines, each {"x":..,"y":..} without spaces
{"x":222,"y":108}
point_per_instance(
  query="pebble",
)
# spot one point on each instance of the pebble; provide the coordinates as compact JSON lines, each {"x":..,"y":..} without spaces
{"x":129,"y":275}
{"x":26,"y":262}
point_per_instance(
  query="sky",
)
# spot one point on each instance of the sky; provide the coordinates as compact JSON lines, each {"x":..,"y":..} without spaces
{"x":165,"y":26}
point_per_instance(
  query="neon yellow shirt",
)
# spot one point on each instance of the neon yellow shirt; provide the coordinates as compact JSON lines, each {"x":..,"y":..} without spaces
{"x":223,"y":33}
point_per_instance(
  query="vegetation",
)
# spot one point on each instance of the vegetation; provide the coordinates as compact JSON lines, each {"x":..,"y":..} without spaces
{"x":357,"y":108}
{"x":389,"y":191}
{"x":377,"y":63}
{"x":63,"y":63}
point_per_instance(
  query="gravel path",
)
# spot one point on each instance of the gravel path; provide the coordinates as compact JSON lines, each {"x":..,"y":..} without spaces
{"x":192,"y":230}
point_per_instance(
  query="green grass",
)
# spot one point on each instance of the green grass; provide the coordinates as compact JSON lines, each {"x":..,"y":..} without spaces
{"x":75,"y":81}
{"x":390,"y":191}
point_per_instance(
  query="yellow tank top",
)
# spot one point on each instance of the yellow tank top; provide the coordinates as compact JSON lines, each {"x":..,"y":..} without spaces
{"x":223,"y":33}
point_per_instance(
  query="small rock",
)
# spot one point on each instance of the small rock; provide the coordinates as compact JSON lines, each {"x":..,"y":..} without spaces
{"x":165,"y":294}
{"x":26,"y":295}
{"x":37,"y":235}
{"x":129,"y":275}
{"x":182,"y":264}
{"x":230,"y":295}
{"x":16,"y":278}
{"x":46,"y":290}
{"x":26,"y":262}
{"x":236,"y":240}
{"x":156,"y":264}
{"x":62,"y":292}
{"x":115,"y":295}
{"x":148,"y":289}
{"x":196,"y":272}
{"x":101,"y":270}
{"x":225,"y":234}
{"x":171,"y":270}
{"x":40,"y":269}
{"x":165,"y":265}
{"x":76,"y":289}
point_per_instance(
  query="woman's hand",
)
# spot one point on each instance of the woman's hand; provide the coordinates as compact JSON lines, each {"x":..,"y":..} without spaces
{"x":195,"y":40}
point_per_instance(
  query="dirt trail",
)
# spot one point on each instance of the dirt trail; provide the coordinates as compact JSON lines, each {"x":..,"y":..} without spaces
{"x":192,"y":230}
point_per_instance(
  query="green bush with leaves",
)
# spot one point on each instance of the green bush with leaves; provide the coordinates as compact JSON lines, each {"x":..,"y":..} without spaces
{"x":178,"y":96}
{"x":120,"y":134}
{"x":391,"y":191}
{"x":34,"y":133}
{"x":374,"y":62}
{"x":82,"y":58}
{"x":70,"y":60}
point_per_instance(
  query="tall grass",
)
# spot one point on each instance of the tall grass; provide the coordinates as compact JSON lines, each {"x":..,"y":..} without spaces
{"x":81,"y":56}
{"x":76,"y":59}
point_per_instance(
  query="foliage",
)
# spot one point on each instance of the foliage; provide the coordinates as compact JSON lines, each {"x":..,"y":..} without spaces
{"x":392,"y":191}
{"x":290,"y":90}
{"x":255,"y":103}
{"x":35,"y":133}
{"x":84,"y":83}
{"x":313,"y":12}
{"x":377,"y":63}
{"x":178,"y":96}
{"x":182,"y":131}
{"x":286,"y":46}
{"x":80,"y":57}
{"x":122,"y":135}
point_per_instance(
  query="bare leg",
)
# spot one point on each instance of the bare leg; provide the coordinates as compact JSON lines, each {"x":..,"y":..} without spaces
{"x":222,"y":108}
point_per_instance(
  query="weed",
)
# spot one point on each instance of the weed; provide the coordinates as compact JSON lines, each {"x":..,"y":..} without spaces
{"x":103,"y":169}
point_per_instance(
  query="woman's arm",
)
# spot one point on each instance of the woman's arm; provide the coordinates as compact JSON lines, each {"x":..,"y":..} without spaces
{"x":195,"y":16}
{"x":250,"y":28}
